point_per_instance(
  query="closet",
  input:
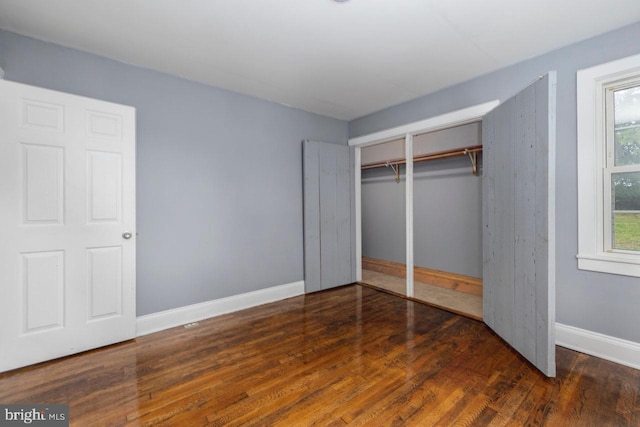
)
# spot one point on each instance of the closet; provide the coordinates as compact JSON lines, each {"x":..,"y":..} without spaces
{"x":447,"y":217}
{"x":517,"y":211}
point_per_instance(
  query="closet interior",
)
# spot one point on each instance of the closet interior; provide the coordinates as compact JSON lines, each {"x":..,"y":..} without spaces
{"x":447,"y":218}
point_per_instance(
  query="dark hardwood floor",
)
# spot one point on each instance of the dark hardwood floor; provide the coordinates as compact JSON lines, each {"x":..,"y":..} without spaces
{"x":352,"y":355}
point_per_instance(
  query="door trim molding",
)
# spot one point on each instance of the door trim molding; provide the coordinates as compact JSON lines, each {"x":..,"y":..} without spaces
{"x":442,"y":121}
{"x":599,"y":345}
{"x":156,"y":322}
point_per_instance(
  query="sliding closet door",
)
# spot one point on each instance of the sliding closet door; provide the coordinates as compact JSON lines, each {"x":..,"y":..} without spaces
{"x":329,"y":215}
{"x":518,"y":222}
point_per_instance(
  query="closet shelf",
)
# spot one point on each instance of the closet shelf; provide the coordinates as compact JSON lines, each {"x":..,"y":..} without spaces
{"x":471,"y":151}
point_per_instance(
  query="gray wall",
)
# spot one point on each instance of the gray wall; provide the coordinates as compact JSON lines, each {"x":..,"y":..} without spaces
{"x":599,"y":302}
{"x":383,"y":214}
{"x":447,"y":216}
{"x":219,"y":174}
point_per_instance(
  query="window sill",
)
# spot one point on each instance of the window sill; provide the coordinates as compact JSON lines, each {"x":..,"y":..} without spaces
{"x":625,"y":265}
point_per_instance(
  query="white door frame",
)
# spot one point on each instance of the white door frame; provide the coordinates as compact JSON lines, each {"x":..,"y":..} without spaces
{"x":443,"y":121}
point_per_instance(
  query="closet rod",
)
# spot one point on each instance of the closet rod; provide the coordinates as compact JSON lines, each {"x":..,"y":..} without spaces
{"x":471,"y":150}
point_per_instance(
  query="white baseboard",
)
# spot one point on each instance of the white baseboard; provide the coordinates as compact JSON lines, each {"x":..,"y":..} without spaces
{"x":156,"y":322}
{"x":606,"y":347}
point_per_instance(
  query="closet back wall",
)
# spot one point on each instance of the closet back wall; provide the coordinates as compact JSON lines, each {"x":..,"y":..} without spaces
{"x":447,"y":221}
{"x":383,"y":214}
{"x":219,"y":174}
{"x":447,"y":207}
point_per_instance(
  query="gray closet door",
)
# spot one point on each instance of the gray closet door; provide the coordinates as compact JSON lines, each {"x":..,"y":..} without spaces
{"x":329,"y":209}
{"x":518,"y":194}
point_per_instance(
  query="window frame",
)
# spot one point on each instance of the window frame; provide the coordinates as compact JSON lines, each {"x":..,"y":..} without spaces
{"x":595,"y":168}
{"x":610,"y":167}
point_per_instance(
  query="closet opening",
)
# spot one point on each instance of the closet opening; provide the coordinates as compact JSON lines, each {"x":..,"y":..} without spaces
{"x":421,"y":212}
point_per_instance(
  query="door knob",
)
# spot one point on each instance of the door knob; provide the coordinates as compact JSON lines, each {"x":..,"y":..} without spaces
{"x":127,"y":234}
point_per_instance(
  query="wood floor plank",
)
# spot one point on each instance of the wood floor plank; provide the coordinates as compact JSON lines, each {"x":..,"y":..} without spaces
{"x":347,"y":356}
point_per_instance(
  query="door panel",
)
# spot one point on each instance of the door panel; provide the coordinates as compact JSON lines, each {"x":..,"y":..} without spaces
{"x":105,"y":281}
{"x":67,"y":185}
{"x":42,"y":169}
{"x":328,"y":215}
{"x":43,"y":290}
{"x":104,"y":189}
{"x":327,"y":162}
{"x":42,"y":115}
{"x":344,"y":216}
{"x":518,"y":218}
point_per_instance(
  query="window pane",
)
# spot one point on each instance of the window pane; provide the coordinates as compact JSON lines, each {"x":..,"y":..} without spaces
{"x":625,"y":188}
{"x":627,"y":126}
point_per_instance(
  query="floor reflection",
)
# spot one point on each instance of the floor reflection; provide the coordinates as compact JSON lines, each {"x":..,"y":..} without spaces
{"x":458,"y":302}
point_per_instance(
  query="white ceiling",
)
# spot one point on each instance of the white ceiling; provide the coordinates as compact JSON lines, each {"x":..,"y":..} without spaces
{"x":342,"y":60}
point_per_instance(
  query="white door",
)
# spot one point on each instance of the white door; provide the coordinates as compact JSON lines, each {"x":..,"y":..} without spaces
{"x":518,"y":200}
{"x":67,"y":195}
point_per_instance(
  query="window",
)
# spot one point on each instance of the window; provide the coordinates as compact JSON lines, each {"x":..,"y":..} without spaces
{"x":609,"y":167}
{"x":622,"y":172}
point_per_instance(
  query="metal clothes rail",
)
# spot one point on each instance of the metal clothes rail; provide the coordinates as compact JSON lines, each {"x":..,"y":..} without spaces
{"x":471,"y":151}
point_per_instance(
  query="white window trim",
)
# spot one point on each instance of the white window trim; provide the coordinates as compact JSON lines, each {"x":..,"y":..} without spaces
{"x":591,"y":162}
